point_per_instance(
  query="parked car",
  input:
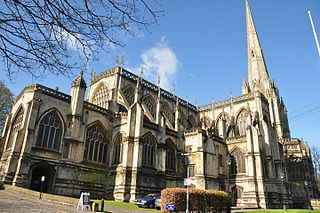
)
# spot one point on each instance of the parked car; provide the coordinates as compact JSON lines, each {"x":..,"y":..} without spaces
{"x":157,"y":202}
{"x":147,"y":201}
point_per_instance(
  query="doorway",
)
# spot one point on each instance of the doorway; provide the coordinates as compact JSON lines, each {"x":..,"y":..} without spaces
{"x":39,"y":171}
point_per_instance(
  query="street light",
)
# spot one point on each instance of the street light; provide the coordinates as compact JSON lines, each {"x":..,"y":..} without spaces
{"x":284,"y":192}
{"x":41,"y":188}
{"x":229,"y":161}
{"x":306,"y":185}
{"x":187,"y":163}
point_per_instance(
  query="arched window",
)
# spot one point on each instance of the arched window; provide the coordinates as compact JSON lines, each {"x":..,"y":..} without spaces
{"x":100,"y":97}
{"x":122,"y":108}
{"x":239,"y":161}
{"x":16,"y":126}
{"x":96,"y":144}
{"x":182,"y":119}
{"x":50,"y":131}
{"x":191,"y":122}
{"x":117,"y":156}
{"x":170,"y":155}
{"x":222,"y":125}
{"x":168,"y":113}
{"x":205,"y":122}
{"x":148,"y":150}
{"x":129,"y":94}
{"x":242,"y":123}
{"x":150,"y":105}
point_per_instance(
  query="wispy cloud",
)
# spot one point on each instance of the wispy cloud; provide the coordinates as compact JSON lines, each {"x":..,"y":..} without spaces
{"x":160,"y":61}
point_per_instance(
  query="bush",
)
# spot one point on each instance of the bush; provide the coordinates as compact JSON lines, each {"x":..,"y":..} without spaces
{"x":200,"y":199}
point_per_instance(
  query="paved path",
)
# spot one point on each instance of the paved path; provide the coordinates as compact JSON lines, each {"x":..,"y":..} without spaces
{"x":12,"y":201}
{"x":17,"y":202}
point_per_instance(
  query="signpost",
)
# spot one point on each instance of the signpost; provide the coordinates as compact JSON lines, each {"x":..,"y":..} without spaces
{"x":84,"y":201}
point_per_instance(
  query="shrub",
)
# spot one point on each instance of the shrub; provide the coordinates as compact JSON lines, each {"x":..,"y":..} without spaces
{"x":200,"y":199}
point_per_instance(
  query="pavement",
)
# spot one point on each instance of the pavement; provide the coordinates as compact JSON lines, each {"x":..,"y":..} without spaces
{"x":20,"y":200}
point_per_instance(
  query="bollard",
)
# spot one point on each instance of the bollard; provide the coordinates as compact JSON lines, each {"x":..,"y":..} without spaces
{"x":102,"y":205}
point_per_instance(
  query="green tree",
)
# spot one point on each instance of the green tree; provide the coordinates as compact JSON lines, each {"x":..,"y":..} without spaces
{"x":57,"y":36}
{"x":6,"y":101}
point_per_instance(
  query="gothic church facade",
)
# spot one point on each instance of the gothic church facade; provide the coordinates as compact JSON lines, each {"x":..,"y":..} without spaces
{"x":128,"y":138}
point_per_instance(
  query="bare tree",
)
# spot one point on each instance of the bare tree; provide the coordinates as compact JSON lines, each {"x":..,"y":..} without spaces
{"x":37,"y":36}
{"x":6,"y":101}
{"x":315,"y":150}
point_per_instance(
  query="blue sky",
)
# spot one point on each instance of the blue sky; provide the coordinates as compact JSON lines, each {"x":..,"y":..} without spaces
{"x":200,"y":48}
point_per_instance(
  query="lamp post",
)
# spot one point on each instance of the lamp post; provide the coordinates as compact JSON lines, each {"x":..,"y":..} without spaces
{"x":284,"y":192}
{"x":41,"y":188}
{"x":187,"y":163}
{"x":306,"y":185}
{"x":229,"y":161}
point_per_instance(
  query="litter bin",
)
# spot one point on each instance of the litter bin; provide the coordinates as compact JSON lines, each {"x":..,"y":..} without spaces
{"x":95,"y":207}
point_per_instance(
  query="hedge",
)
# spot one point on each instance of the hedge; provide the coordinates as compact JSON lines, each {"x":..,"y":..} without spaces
{"x":199,"y":199}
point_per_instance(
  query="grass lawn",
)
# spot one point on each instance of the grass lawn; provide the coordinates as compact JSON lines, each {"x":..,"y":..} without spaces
{"x":123,"y":205}
{"x":278,"y":211}
{"x":131,"y":206}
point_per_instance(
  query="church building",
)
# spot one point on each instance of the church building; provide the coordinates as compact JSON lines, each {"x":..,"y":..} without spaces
{"x":130,"y":138}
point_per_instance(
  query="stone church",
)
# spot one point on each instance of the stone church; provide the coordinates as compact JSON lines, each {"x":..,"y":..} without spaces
{"x":130,"y":138}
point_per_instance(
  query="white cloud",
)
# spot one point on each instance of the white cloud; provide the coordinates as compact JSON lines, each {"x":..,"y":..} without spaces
{"x":160,"y":61}
{"x":64,"y":36}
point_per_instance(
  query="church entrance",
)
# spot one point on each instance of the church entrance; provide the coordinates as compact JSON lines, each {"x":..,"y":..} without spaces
{"x":37,"y":172}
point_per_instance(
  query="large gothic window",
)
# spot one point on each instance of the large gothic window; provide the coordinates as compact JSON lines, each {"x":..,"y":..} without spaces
{"x":96,"y":144}
{"x":148,"y":150}
{"x":100,"y":97}
{"x":117,"y":156}
{"x":50,"y":131}
{"x":242,"y":122}
{"x":170,"y":155}
{"x":239,"y":161}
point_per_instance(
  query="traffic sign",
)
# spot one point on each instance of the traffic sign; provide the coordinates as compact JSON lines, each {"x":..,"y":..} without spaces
{"x":187,"y":182}
{"x":170,"y":207}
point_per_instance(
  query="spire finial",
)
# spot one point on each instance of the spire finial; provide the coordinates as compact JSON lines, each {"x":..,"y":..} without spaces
{"x":173,"y":89}
{"x":120,"y":62}
{"x":230,"y":93}
{"x":141,"y":72}
{"x":158,"y":80}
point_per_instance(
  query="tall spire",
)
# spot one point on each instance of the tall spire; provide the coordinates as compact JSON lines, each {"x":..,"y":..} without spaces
{"x":257,"y":70}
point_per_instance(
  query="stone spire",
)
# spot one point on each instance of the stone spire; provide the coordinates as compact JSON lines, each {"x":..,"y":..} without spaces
{"x":257,"y":70}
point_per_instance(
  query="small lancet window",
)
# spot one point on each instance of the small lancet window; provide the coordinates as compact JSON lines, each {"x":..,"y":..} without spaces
{"x":252,"y":53}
